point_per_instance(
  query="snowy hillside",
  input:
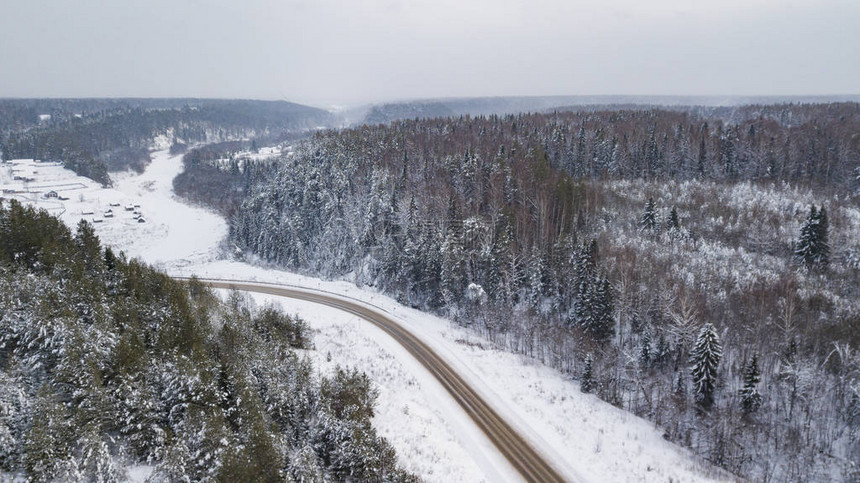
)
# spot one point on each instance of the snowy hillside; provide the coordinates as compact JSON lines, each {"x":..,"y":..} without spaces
{"x":433,"y":437}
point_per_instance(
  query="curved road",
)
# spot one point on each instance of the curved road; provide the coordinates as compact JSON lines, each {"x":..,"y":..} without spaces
{"x":515,"y":449}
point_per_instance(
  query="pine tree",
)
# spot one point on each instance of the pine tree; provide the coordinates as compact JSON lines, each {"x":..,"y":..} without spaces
{"x":594,"y":307}
{"x":704,"y":359}
{"x":812,"y":248}
{"x":648,"y":221}
{"x":673,"y":223}
{"x":750,"y":397}
{"x":586,"y":383}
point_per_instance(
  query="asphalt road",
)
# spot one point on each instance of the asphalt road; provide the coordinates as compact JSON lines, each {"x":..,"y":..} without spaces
{"x":528,"y":462}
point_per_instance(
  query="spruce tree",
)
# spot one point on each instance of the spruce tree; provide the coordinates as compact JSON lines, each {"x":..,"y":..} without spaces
{"x":750,"y":397}
{"x":603,"y":323}
{"x":704,"y":359}
{"x":594,"y":308}
{"x":586,"y":383}
{"x":812,"y":248}
{"x":648,"y":221}
{"x":673,"y":223}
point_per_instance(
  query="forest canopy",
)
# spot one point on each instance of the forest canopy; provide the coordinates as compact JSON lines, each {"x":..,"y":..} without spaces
{"x":107,"y":363}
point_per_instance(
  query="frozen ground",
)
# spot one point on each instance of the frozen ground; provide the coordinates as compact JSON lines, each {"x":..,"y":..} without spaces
{"x":584,"y":436}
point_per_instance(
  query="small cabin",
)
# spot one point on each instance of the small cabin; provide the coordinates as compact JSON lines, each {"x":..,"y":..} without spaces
{"x":141,"y":220}
{"x":108,"y":213}
{"x":52,"y":194}
{"x":88,"y":212}
{"x":97,"y":220}
{"x":114,"y":204}
{"x":129,"y":207}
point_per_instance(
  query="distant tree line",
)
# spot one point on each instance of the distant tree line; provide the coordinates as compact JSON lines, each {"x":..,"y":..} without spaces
{"x":118,"y":138}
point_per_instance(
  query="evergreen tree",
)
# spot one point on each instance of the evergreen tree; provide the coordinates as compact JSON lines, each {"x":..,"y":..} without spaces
{"x":673,"y":223}
{"x":594,"y":308}
{"x":452,"y":277}
{"x":648,"y":221}
{"x":750,"y":397}
{"x":812,"y":248}
{"x":704,"y":359}
{"x":702,"y":158}
{"x":644,"y":358}
{"x":594,"y":304}
{"x":586,"y":383}
{"x":823,"y":227}
{"x":602,"y":323}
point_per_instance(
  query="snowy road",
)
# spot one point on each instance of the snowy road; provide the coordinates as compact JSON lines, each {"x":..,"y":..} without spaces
{"x":528,"y":462}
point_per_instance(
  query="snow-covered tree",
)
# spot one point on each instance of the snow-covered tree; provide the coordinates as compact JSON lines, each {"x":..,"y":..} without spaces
{"x":812,"y":248}
{"x":704,"y":360}
{"x":644,"y":358}
{"x":750,"y":397}
{"x":673,"y":222}
{"x":648,"y":220}
{"x":594,"y":305}
{"x":586,"y":381}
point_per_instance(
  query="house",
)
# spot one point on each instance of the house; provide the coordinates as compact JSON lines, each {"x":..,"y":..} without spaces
{"x":97,"y":220}
{"x":141,"y":220}
{"x":109,"y":214}
{"x":129,"y":207}
{"x":52,"y":194}
{"x":115,"y":204}
{"x":88,"y":212}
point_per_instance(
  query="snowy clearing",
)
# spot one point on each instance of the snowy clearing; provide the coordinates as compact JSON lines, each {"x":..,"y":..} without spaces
{"x":434,"y":438}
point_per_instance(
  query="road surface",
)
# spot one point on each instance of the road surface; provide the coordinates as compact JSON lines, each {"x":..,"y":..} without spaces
{"x":528,"y":462}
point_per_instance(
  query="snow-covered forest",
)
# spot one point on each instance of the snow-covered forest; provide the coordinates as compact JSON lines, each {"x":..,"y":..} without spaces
{"x":697,"y":267}
{"x":94,"y":137}
{"x":108,"y":366}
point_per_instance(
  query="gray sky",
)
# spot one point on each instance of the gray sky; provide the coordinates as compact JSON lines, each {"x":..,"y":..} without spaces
{"x":346,"y":51}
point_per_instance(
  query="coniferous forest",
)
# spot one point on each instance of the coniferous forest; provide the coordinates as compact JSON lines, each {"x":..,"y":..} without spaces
{"x":698,"y":267}
{"x":106,"y":363}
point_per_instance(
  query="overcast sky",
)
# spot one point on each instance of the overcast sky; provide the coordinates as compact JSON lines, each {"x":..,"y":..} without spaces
{"x":346,"y":51}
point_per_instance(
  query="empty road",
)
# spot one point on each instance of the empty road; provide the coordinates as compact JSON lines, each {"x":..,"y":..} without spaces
{"x":528,"y":462}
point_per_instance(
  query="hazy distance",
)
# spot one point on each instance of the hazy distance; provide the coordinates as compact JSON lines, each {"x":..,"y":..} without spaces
{"x":326,"y":52}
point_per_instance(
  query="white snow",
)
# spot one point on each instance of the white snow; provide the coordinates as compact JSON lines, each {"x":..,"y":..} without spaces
{"x":139,"y":473}
{"x":586,"y":438}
